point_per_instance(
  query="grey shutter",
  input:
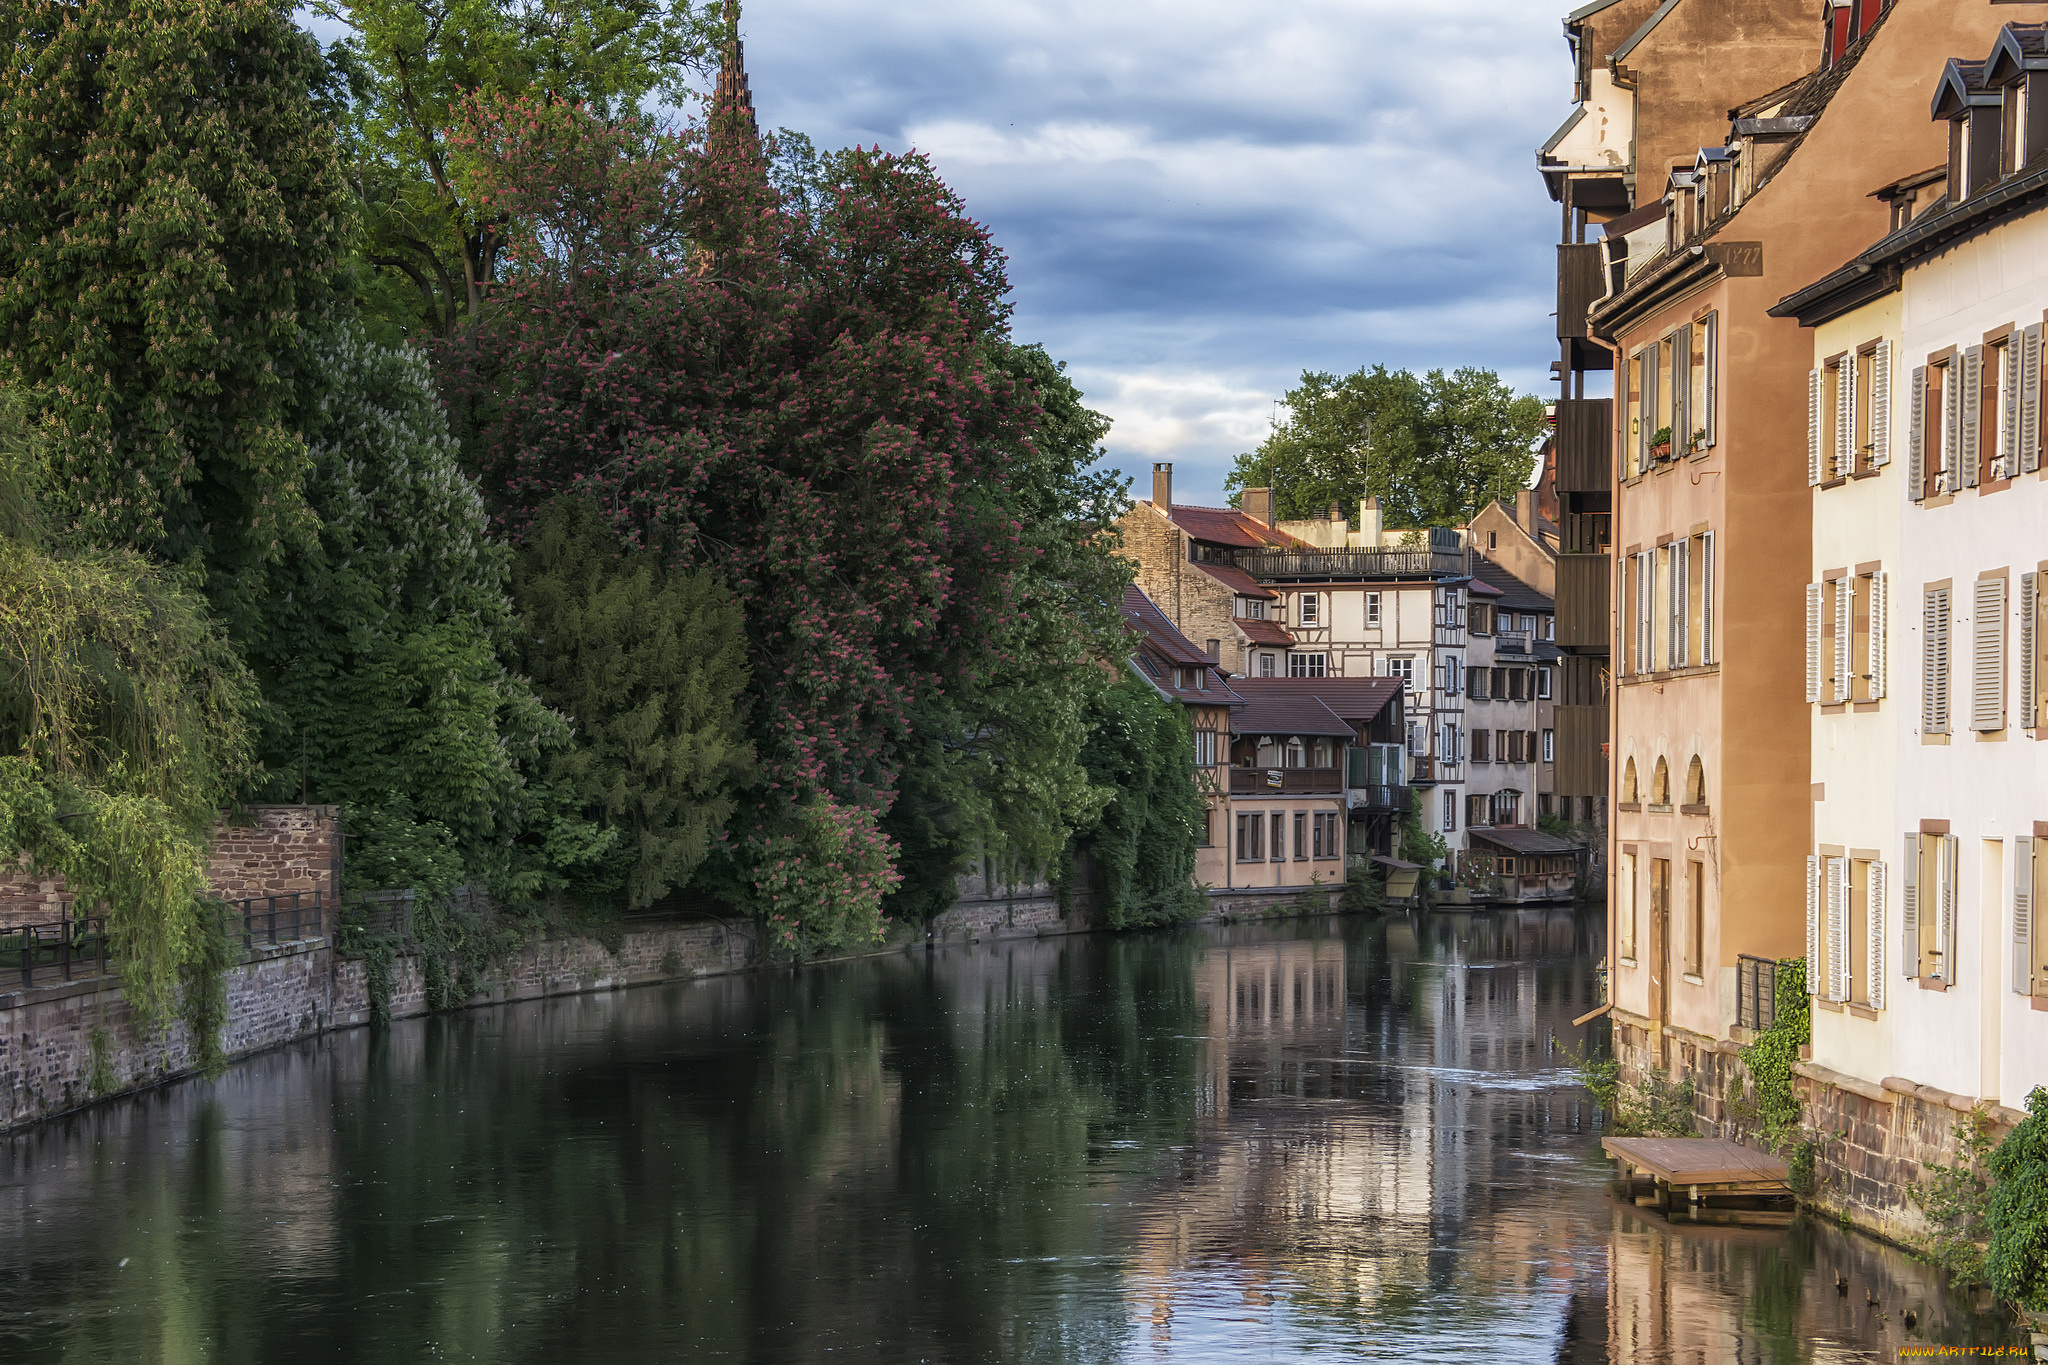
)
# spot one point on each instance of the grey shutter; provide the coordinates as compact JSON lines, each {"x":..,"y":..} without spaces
{"x":1814,"y":453}
{"x":2009,"y":408}
{"x":2029,"y":645}
{"x":1813,"y":620}
{"x":1946,"y":479}
{"x":1676,"y":554}
{"x":1972,"y":418}
{"x":2030,"y":400}
{"x":1909,"y":909}
{"x":1987,"y":655}
{"x":1845,"y":638}
{"x":1838,"y":929}
{"x":1881,"y":406}
{"x":1845,"y":418}
{"x":1814,"y":983}
{"x":1874,"y":986}
{"x":1950,"y":849}
{"x":1713,"y":326}
{"x":1880,"y":623}
{"x":2023,"y":915}
{"x":1916,"y":438}
{"x":1934,"y":663}
{"x":1707,"y":598}
{"x":1681,"y":391}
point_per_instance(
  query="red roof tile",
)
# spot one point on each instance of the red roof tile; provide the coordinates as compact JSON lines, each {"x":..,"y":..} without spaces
{"x":1274,"y":712}
{"x":1228,"y":526}
{"x":1265,"y":632}
{"x":1238,"y":581}
{"x":1358,"y":700}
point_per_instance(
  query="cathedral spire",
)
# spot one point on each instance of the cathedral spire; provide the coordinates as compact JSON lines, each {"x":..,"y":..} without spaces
{"x":732,"y":103}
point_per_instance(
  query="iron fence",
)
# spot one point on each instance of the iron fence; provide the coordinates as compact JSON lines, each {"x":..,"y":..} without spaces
{"x":73,"y":948}
{"x":283,"y":919}
{"x":1756,"y":992}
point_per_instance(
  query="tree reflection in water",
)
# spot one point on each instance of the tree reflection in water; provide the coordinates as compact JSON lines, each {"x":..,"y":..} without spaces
{"x":1341,"y":1137}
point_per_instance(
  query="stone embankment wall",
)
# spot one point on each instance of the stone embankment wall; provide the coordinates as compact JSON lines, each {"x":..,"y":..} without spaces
{"x":266,"y":851}
{"x":1876,"y":1142}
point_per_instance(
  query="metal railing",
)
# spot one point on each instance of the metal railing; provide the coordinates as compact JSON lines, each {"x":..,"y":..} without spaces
{"x":73,"y":948}
{"x":1756,"y":992}
{"x":287,"y":918}
{"x":1380,"y":796}
{"x":1516,"y":643}
{"x":1384,"y":561}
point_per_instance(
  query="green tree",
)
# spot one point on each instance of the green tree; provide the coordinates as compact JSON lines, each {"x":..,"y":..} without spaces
{"x":172,"y":216}
{"x":1434,"y":450}
{"x":413,"y":65}
{"x":650,"y":664}
{"x":1141,"y":850}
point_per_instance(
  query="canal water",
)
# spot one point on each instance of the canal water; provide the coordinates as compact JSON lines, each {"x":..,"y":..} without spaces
{"x":1330,"y":1140}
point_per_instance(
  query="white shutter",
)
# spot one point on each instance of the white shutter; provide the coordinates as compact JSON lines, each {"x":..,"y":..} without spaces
{"x":1873,"y":988}
{"x":2009,"y":408}
{"x":1814,"y":453}
{"x":1838,"y":929}
{"x":2030,"y":645}
{"x":1946,"y":478}
{"x":1880,"y":623}
{"x":1934,"y":663}
{"x":1713,"y":352}
{"x":1881,"y":406}
{"x":1814,"y":985}
{"x":1813,"y":619}
{"x":1972,"y":418}
{"x":1916,"y":438}
{"x":1909,"y":908}
{"x":2030,"y":400}
{"x":1707,"y":598}
{"x":1675,"y":554}
{"x":1681,"y":390}
{"x":1845,"y":638}
{"x":1949,"y":858}
{"x":1987,"y":655}
{"x":1845,"y":418}
{"x":2023,"y":915}
{"x":1646,"y":606}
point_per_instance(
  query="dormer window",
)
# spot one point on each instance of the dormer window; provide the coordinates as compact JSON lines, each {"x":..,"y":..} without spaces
{"x":1975,"y":113}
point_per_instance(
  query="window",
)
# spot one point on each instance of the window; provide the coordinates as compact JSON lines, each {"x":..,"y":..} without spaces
{"x":1628,"y":783}
{"x":1998,"y":410}
{"x":1482,"y":746}
{"x":1402,"y":666}
{"x":1528,"y":624}
{"x":1933,"y":433}
{"x":1987,"y":655}
{"x":1480,"y":619}
{"x":1294,"y":753}
{"x":1549,"y":626}
{"x":1696,"y":918}
{"x":1307,"y":665}
{"x":1301,"y":836}
{"x":1311,"y":608}
{"x":1507,"y":808}
{"x":1205,"y":748}
{"x":1251,"y":838}
{"x":1449,"y":749}
{"x":1625,"y":907}
{"x":1323,"y":754}
{"x":1478,"y":811}
{"x":1265,"y":665}
{"x":1695,"y":782}
{"x":1208,"y":828}
{"x":1372,"y":609}
{"x":1450,"y":810}
{"x":1543,"y":683}
{"x":1660,"y":784}
{"x":1706,"y":358}
{"x":1478,"y":683}
{"x":2029,"y":650}
{"x":1927,"y":906}
{"x":1453,"y":676}
{"x":1201,"y":680}
{"x":1934,"y":670}
{"x":1693,"y":604}
{"x":2029,"y":952}
{"x":1278,"y":853}
{"x":1329,"y":840}
{"x":1646,"y":611}
{"x":1635,"y":435}
{"x":1215,"y":649}
{"x":1550,"y":746}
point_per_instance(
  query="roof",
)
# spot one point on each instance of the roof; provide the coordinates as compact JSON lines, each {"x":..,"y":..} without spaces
{"x":1649,"y":25}
{"x":1173,"y":651}
{"x":1238,"y":581}
{"x":1264,"y":632}
{"x":1159,"y":632}
{"x":1528,"y":841}
{"x":1229,"y":526}
{"x":1513,"y":591}
{"x":1358,"y":700}
{"x":1479,"y":588}
{"x":1272,"y":711}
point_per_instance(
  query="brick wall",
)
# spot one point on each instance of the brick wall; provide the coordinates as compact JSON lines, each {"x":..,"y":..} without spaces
{"x":1199,"y":607}
{"x":267,"y":851}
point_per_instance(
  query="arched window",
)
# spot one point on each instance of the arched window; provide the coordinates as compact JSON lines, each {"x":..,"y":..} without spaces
{"x":1628,"y":782}
{"x":1660,"y":784}
{"x":1325,"y":754}
{"x":1296,"y":753}
{"x":1696,"y":783}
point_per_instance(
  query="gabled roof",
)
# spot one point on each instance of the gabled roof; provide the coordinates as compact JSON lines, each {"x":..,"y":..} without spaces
{"x":2020,"y":47}
{"x":1164,"y":652}
{"x":1961,"y":85}
{"x":1228,"y":526}
{"x":1159,"y":632}
{"x":1524,"y":841}
{"x":1238,"y":581}
{"x":1294,"y":711}
{"x":1265,"y":632}
{"x":1358,"y":700}
{"x":1513,"y":591}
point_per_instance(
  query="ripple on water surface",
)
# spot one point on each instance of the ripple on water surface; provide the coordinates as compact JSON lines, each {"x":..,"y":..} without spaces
{"x":1338,"y":1140}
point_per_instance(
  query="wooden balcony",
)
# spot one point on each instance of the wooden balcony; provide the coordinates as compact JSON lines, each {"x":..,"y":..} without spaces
{"x":1511,"y":642}
{"x":1585,"y":445}
{"x":1581,"y":766}
{"x":1583,"y":595}
{"x":1579,"y":284}
{"x":1286,"y":781}
{"x":1382,"y":797}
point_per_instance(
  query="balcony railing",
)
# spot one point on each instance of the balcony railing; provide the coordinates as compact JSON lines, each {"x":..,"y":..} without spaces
{"x":1286,"y":781}
{"x":1511,"y":643}
{"x":1383,"y":797}
{"x":1585,"y":445}
{"x":1383,"y":561}
{"x":1579,"y":284}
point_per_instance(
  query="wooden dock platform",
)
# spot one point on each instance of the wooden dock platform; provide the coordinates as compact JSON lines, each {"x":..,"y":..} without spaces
{"x":1709,"y":1179}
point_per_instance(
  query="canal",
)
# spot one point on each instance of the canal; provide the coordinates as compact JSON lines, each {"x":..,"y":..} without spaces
{"x":1328,"y":1140}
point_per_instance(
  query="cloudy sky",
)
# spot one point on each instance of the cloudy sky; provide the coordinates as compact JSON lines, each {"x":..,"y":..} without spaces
{"x":1201,"y":199}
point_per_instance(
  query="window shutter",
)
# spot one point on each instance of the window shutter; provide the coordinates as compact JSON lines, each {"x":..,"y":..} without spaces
{"x":1675,"y":553}
{"x":1973,"y":411}
{"x":1916,"y":438}
{"x":1681,"y":390}
{"x":1814,"y":453}
{"x":1881,"y":406}
{"x":1814,"y":985}
{"x":1909,"y":908}
{"x":1707,"y":598}
{"x":2030,"y":668}
{"x":2009,"y":409}
{"x":1813,"y":618}
{"x":1838,"y":929}
{"x":1880,"y":623}
{"x":2023,"y":915}
{"x":1934,"y":663}
{"x":1987,"y":655}
{"x":1874,"y":987}
{"x":1945,"y":480}
{"x":1950,"y":847}
{"x":1845,"y":418}
{"x":1713,"y":353}
{"x":2030,"y":400}
{"x":1845,"y":638}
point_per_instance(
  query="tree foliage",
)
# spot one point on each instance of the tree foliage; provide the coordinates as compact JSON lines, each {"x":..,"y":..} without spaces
{"x":1140,"y":852}
{"x":172,"y":215}
{"x":1433,"y":449}
{"x":650,"y":666}
{"x":2016,"y":1259}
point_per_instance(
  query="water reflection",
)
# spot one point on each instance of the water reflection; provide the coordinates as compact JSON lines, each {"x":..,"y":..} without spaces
{"x":1335,"y":1140}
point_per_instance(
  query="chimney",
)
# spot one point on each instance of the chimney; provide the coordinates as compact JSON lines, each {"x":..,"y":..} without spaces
{"x":1369,"y":528}
{"x":1525,"y":510}
{"x":1258,"y":504}
{"x":1162,"y":486}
